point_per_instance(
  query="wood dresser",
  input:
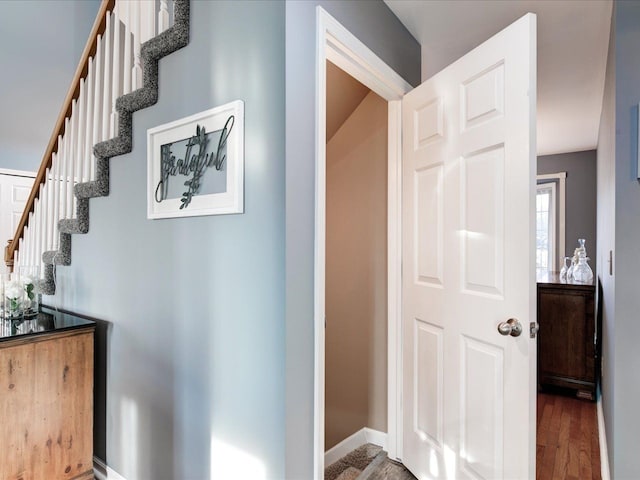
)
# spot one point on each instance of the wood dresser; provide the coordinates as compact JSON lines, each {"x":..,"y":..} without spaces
{"x":46,"y":404}
{"x":568,"y":346}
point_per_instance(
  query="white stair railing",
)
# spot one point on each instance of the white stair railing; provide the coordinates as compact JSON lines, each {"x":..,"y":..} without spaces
{"x":113,"y":70}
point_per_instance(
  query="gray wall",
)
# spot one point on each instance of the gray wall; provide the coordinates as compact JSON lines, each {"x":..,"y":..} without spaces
{"x":627,"y":240}
{"x":376,"y":26}
{"x":194,"y":347}
{"x":580,"y":198}
{"x":41,"y":45}
{"x":606,"y":239}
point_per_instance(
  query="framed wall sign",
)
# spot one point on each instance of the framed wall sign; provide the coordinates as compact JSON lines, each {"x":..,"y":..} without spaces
{"x":195,"y":165}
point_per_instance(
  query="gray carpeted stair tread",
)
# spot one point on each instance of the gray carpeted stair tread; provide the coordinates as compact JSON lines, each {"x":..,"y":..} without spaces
{"x":333,"y":471}
{"x":357,"y":459}
{"x":169,"y":41}
{"x":371,"y":462}
{"x":389,"y":470}
{"x":368,"y":472}
{"x":350,"y":473}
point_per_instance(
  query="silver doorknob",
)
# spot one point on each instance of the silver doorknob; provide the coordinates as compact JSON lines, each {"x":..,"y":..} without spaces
{"x":510,"y":327}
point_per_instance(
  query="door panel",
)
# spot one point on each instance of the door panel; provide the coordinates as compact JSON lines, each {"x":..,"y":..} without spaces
{"x":468,"y":256}
{"x":14,"y":193}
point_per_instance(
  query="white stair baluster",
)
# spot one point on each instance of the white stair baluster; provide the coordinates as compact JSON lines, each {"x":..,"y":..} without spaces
{"x":38,"y":227}
{"x":56,"y":193}
{"x":16,"y":256}
{"x":127,"y":52}
{"x":149,"y":12}
{"x":81,"y":127}
{"x":135,"y":28}
{"x":116,"y":80}
{"x":73,"y":158}
{"x":63,"y":171}
{"x":27,"y":245}
{"x":45,"y":211}
{"x":30,"y":251}
{"x":97,"y":104}
{"x":88,"y":135}
{"x":163,"y":16}
{"x":50,"y":186}
{"x":106,"y":80}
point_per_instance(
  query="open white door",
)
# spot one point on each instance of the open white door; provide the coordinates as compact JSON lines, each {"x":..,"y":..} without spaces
{"x":468,"y":264}
{"x":15,"y":188}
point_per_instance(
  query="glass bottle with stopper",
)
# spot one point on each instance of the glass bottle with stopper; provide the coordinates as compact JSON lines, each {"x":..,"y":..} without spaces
{"x":581,"y":270}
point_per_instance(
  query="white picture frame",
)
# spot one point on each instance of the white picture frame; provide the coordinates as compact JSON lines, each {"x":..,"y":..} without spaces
{"x":195,"y":165}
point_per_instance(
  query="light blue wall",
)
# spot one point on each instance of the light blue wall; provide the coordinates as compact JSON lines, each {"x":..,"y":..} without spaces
{"x":627,"y":237}
{"x":194,"y":352}
{"x":42,"y":42}
{"x":376,"y":26}
{"x":606,"y":159}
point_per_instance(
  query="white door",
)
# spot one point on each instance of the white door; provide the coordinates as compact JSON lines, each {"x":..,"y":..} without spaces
{"x":14,"y":192}
{"x":468,"y":264}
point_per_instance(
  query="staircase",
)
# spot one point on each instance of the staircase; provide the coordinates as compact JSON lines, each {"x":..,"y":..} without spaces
{"x":117,"y":76}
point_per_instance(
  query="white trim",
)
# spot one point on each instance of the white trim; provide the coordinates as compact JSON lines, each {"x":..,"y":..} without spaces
{"x":17,"y":173}
{"x":602,"y":437}
{"x":337,"y":44}
{"x":553,"y":254}
{"x":361,"y":437}
{"x":561,"y":177}
{"x":103,"y":472}
{"x":394,"y":281}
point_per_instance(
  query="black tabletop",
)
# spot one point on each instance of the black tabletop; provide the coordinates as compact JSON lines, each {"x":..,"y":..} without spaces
{"x":47,"y":321}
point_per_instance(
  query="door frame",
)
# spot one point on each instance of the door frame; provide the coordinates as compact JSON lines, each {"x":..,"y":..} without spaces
{"x":335,"y":43}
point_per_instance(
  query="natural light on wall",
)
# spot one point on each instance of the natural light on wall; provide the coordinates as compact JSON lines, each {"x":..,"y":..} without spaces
{"x":228,"y":461}
{"x":545,"y":226}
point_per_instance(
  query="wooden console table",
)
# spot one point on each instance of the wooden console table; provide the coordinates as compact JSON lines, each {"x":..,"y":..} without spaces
{"x":46,"y":405}
{"x":568,"y":348}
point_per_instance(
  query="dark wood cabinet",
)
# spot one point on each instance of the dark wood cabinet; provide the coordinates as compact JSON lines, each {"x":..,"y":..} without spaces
{"x":567,"y":338}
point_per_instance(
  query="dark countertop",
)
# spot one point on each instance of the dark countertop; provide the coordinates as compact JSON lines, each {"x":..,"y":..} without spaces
{"x":47,"y":321}
{"x":553,"y":278}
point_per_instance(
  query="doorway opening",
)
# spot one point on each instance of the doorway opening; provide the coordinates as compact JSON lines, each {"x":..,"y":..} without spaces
{"x":342,"y":49}
{"x":356,"y":273}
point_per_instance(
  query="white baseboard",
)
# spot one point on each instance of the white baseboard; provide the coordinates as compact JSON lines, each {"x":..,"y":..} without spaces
{"x":103,"y":472}
{"x":362,"y":436}
{"x":602,"y":436}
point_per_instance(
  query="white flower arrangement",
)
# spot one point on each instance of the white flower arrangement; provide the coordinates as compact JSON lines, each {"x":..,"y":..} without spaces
{"x":29,"y":288}
{"x":14,"y":292}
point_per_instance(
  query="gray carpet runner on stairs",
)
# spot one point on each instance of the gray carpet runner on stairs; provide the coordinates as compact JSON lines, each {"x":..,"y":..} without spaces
{"x":172,"y":39}
{"x":368,"y":462}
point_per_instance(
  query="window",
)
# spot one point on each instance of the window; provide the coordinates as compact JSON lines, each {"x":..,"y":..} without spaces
{"x":546,"y":226}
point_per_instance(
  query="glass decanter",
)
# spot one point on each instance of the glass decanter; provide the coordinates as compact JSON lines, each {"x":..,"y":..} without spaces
{"x":565,"y":268}
{"x":582,"y":272}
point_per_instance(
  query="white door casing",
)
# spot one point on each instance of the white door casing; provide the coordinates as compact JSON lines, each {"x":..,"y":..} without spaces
{"x":336,"y":44}
{"x":468,"y":263}
{"x":15,"y":187}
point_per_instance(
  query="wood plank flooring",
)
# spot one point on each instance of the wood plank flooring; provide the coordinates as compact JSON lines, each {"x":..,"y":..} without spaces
{"x":567,"y":439}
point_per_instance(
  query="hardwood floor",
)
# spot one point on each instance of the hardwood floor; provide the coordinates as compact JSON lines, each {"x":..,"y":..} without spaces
{"x":567,"y":439}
